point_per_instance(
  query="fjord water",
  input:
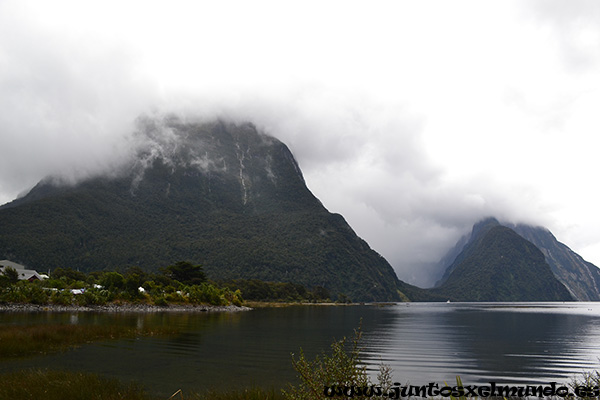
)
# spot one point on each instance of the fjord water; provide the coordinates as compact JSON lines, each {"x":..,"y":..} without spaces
{"x":520,"y":343}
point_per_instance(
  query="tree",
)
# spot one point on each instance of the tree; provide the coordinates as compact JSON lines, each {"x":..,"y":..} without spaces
{"x":69,"y":274}
{"x":186,"y":273}
{"x":11,"y":274}
{"x":112,"y":281}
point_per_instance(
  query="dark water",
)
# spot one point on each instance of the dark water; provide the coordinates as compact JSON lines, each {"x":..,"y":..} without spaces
{"x":517,"y":343}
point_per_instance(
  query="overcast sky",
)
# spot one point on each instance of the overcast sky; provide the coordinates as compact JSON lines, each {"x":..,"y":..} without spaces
{"x":412,"y":119}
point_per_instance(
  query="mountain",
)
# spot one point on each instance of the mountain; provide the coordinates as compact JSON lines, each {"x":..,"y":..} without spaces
{"x":580,"y":277}
{"x":218,"y":194}
{"x":500,"y":265}
{"x":462,"y":248}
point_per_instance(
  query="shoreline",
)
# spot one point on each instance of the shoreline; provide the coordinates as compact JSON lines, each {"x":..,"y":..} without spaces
{"x":151,"y":308}
{"x":276,"y":304}
{"x":119,"y":308}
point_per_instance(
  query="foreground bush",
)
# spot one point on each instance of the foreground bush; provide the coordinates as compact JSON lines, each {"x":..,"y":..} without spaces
{"x":341,"y":368}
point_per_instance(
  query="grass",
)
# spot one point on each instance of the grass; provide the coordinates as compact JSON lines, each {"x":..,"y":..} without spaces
{"x":64,"y":385}
{"x":254,"y":393}
{"x":30,"y":340}
{"x":61,"y":385}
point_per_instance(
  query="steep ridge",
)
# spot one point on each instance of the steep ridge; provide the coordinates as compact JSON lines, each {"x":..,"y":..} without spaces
{"x":461,"y":249}
{"x":500,"y":265}
{"x":222,"y":195}
{"x":580,"y":277}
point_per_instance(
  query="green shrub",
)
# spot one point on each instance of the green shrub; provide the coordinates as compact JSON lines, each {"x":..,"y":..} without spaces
{"x":206,"y":294}
{"x":588,"y":380}
{"x":112,"y":281}
{"x":62,"y":297}
{"x":13,"y":294}
{"x":54,"y":283}
{"x":36,"y":295}
{"x":24,"y":292}
{"x":232,"y":297}
{"x":160,"y":301}
{"x":92,"y":297}
{"x":69,"y":275}
{"x":341,"y":368}
{"x":10,"y":274}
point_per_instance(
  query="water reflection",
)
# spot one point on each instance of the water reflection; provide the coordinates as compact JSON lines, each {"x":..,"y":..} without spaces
{"x":481,"y":343}
{"x":210,"y":350}
{"x":422,"y":342}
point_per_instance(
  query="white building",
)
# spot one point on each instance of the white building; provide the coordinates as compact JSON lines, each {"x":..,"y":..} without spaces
{"x":24,"y":273}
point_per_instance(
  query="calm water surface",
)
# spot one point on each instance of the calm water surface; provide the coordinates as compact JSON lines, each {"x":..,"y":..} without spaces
{"x":530,"y":343}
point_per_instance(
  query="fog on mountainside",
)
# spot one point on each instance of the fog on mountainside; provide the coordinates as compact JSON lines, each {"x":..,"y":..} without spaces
{"x":218,"y":194}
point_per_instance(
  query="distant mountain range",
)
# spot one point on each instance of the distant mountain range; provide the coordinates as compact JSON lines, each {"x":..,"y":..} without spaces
{"x":234,"y":200}
{"x":497,"y":264}
{"x":579,"y":277}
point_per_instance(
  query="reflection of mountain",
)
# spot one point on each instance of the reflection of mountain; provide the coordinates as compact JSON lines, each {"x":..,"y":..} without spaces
{"x":434,"y":343}
{"x":509,"y":343}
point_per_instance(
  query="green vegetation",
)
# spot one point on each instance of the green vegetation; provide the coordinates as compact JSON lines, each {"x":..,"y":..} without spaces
{"x":500,"y":265}
{"x":579,"y":276}
{"x":62,"y":385}
{"x":70,"y":287}
{"x":255,"y":290}
{"x":268,"y":226}
{"x":28,"y":340}
{"x":186,"y":273}
{"x":340,"y":368}
{"x":67,"y":385}
{"x":9,"y":275}
{"x":588,"y":380}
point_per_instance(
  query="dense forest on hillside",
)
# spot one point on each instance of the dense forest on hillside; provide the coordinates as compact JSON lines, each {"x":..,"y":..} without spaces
{"x":226,"y":197}
{"x":502,"y":266}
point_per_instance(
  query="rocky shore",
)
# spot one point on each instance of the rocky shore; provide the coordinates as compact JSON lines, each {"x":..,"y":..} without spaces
{"x":119,"y":308}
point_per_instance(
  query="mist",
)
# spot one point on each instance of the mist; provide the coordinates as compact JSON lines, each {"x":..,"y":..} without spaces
{"x":412,"y":124}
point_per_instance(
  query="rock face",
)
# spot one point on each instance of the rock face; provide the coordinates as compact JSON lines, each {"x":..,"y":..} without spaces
{"x":499,"y":265}
{"x":581,"y":278}
{"x":222,"y":195}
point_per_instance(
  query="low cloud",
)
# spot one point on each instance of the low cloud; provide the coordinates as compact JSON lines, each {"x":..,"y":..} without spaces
{"x":413,"y":127}
{"x":67,"y":106}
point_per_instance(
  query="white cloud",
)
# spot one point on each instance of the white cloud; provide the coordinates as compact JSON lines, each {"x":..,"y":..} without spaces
{"x":412,"y":119}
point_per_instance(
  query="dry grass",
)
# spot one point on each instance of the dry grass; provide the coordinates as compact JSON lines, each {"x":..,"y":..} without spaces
{"x":62,"y":385}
